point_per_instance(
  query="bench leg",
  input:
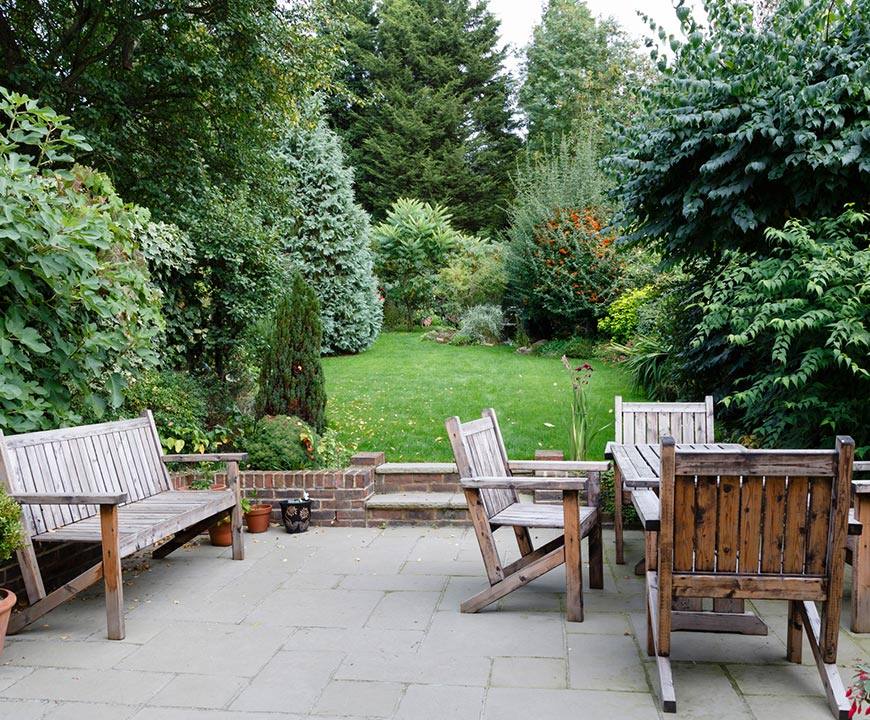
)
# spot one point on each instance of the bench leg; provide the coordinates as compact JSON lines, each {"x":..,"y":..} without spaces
{"x":617,"y":514}
{"x":112,"y":571}
{"x":860,"y":621}
{"x":236,"y":515}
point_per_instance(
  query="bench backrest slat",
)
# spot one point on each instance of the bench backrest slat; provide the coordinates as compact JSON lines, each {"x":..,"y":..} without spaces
{"x":639,"y":423}
{"x":120,"y":456}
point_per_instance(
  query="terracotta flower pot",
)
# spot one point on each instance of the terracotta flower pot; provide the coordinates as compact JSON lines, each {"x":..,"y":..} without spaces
{"x":7,"y":602}
{"x":221,"y":534}
{"x":258,"y":517}
{"x":296,"y":515}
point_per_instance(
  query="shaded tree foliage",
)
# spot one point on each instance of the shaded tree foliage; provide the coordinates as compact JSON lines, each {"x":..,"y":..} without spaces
{"x":432,"y":118}
{"x":749,"y":125}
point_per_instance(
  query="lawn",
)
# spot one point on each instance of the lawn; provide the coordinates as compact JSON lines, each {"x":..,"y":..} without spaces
{"x":396,"y":396}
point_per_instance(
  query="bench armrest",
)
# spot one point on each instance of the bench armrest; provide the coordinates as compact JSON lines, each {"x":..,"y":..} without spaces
{"x":646,"y":502}
{"x":205,"y":457}
{"x":565,"y":466}
{"x":62,"y":499}
{"x":513,"y":483}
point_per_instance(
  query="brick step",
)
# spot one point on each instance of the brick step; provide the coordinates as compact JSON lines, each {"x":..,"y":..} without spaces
{"x":416,"y":508}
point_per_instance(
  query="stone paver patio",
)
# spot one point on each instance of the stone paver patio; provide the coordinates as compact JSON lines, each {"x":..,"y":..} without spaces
{"x":364,"y":623}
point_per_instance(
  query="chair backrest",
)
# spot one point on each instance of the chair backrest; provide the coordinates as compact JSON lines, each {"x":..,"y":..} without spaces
{"x":122,"y":456}
{"x":756,"y":514}
{"x":639,"y":423}
{"x":479,"y":451}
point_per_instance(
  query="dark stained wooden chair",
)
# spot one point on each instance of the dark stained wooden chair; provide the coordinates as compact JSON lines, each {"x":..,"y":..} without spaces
{"x":759,"y":524}
{"x":646,"y":423}
{"x":493,"y":502}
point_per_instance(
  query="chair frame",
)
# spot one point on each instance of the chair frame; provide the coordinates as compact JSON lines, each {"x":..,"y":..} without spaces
{"x":771,"y":527}
{"x":492,"y":493}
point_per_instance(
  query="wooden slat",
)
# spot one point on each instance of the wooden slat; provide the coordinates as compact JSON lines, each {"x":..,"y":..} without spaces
{"x":728,"y":534}
{"x":756,"y":462}
{"x":536,"y":515}
{"x":706,"y":492}
{"x":525,"y":483}
{"x":750,"y":524}
{"x":684,"y":522}
{"x":773,"y":527}
{"x":741,"y":623}
{"x":819,"y":517}
{"x":666,"y":548}
{"x":771,"y":587}
{"x":795,"y":545}
{"x":38,"y":438}
{"x":663,"y":663}
{"x":647,"y":505}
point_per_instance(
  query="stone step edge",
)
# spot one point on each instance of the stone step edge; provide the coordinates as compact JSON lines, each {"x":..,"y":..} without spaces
{"x":416,"y":501}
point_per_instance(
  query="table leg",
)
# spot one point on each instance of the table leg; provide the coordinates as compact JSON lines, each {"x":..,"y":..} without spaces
{"x":860,"y":622}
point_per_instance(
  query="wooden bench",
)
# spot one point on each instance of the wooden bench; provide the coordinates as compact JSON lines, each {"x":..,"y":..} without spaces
{"x":106,"y":484}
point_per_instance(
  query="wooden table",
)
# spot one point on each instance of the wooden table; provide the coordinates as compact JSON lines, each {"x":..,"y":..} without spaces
{"x":639,"y":466}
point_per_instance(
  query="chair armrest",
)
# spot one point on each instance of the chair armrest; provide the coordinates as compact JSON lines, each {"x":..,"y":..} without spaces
{"x":206,"y":457}
{"x":62,"y":499}
{"x":646,"y":502}
{"x":513,"y":483}
{"x":565,"y":466}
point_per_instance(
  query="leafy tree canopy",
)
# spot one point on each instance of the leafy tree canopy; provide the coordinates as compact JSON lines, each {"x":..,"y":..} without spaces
{"x":751,"y":124}
{"x":580,"y":74}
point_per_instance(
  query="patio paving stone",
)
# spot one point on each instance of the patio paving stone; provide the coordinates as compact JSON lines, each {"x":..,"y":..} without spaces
{"x":364,"y":623}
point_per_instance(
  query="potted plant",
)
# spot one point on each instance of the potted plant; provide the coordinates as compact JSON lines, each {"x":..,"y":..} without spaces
{"x":257,"y":515}
{"x":296,"y":514}
{"x":10,"y":541}
{"x":221,"y":533}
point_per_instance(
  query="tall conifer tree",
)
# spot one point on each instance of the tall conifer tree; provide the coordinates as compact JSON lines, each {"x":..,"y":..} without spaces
{"x":291,"y":375}
{"x":435,"y":118}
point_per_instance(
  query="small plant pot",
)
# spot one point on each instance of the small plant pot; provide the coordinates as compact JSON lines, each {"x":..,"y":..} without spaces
{"x":7,"y":602}
{"x":221,"y":534}
{"x":296,"y":515}
{"x":258,"y":517}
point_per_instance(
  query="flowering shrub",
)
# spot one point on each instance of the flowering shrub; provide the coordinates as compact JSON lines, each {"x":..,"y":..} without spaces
{"x":859,"y":692}
{"x":567,"y":274}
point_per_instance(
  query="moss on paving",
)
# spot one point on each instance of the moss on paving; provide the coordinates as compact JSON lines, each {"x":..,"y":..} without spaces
{"x":396,"y":396}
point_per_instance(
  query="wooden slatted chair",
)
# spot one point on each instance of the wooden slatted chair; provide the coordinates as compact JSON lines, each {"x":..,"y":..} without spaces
{"x":493,"y":502}
{"x":640,"y":423}
{"x":106,"y":484}
{"x":766,"y":524}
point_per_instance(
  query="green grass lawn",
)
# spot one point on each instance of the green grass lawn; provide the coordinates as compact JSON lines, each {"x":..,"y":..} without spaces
{"x":396,"y":396}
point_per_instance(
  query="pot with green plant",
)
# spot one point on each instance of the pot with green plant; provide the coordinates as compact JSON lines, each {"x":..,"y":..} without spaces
{"x":221,"y":533}
{"x":11,"y":539}
{"x":257,"y":515}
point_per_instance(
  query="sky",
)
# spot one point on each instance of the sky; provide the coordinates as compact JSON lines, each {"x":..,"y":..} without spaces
{"x":518,"y":17}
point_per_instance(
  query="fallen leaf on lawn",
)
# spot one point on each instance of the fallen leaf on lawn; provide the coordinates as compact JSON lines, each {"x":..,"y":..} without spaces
{"x":549,"y":425}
